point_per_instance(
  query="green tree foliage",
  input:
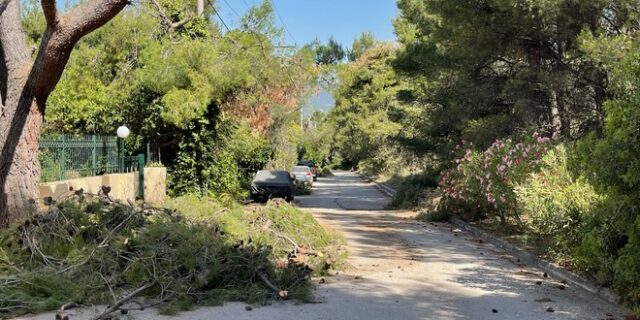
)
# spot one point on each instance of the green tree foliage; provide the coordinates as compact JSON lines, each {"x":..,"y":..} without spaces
{"x":610,"y":162}
{"x":489,"y":68}
{"x":328,"y":54}
{"x":361,"y":44}
{"x":203,"y":97}
{"x":368,"y":113}
{"x":217,"y":156}
{"x":285,"y":135}
{"x":317,"y":140}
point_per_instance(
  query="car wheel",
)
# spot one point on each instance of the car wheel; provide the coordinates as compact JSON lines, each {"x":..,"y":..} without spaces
{"x":289,"y":198}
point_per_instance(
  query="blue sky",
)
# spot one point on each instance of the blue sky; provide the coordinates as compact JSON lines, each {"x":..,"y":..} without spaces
{"x":311,"y":19}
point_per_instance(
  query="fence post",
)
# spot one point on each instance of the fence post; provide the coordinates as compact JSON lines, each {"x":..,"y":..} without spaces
{"x":141,"y":164}
{"x":120,"y":155}
{"x":63,"y":160}
{"x":94,"y":145}
{"x":148,"y":159}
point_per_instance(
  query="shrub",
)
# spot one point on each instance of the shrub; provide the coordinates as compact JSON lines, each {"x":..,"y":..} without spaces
{"x":434,"y":216}
{"x":154,"y":165}
{"x":326,"y":172}
{"x":610,"y":248}
{"x":627,"y":267}
{"x":216,"y":158}
{"x":557,"y":205}
{"x":413,"y":190}
{"x":483,"y":182}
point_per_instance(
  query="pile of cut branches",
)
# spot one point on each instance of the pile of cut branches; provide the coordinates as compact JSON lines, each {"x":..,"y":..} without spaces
{"x":90,"y":250}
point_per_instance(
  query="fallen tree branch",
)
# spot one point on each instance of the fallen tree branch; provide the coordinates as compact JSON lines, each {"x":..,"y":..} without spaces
{"x":113,"y":295}
{"x":102,"y":245}
{"x":116,"y":306}
{"x":266,"y":281}
{"x":33,"y":247}
{"x":142,"y":307}
{"x":296,"y":247}
{"x":68,"y":306}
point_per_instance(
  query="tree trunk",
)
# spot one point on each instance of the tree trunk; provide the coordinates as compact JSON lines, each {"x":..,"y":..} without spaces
{"x":19,"y":166}
{"x":600,"y":97}
{"x":200,"y":9}
{"x":25,"y":86}
{"x":556,"y":119}
{"x":19,"y":127}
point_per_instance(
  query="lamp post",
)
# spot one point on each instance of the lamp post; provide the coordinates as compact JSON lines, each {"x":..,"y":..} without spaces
{"x":123,"y":133}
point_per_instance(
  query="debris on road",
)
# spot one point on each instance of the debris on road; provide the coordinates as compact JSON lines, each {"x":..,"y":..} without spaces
{"x":90,"y":249}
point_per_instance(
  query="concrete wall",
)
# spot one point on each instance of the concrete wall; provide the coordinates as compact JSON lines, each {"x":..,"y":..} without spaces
{"x":155,"y":184}
{"x":124,"y":186}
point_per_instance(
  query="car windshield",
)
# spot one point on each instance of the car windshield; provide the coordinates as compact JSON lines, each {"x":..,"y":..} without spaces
{"x":300,"y":169}
{"x":306,"y":163}
{"x":271,"y":176}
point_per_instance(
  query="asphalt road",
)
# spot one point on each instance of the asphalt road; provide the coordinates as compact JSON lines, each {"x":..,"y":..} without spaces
{"x":402,"y":269}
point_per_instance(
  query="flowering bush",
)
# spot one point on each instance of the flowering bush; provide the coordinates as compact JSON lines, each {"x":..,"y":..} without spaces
{"x":483,"y":183}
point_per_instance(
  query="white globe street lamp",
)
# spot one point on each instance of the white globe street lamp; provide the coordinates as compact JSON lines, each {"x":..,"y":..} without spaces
{"x":123,"y":132}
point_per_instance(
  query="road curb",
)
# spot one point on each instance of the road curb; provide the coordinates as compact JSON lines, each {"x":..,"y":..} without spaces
{"x":386,"y":190}
{"x":524,"y":256}
{"x":533,"y":260}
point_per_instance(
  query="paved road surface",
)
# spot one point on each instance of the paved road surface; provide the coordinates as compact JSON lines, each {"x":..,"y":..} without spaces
{"x":402,"y":269}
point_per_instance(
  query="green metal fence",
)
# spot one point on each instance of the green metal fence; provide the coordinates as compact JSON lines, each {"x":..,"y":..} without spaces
{"x":66,"y":157}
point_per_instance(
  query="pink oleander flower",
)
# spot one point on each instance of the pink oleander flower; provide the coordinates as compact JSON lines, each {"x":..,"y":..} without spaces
{"x":543,"y":139}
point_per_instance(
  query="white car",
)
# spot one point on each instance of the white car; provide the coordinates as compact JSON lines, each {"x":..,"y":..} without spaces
{"x":303,"y":175}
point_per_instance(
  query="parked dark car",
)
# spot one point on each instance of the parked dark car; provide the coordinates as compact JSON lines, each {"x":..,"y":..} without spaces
{"x":311,"y":164}
{"x":272,"y":184}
